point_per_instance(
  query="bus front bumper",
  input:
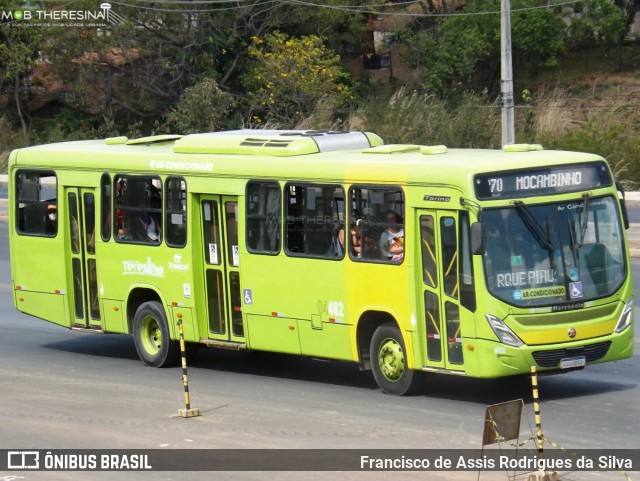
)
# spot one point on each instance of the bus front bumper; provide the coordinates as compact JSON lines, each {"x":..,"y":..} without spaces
{"x":495,"y":359}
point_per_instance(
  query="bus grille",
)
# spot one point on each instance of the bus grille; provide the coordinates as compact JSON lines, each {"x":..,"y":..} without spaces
{"x":554,"y":318}
{"x":552,"y":358}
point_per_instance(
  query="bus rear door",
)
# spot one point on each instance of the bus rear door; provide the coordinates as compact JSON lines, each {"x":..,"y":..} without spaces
{"x":439,"y":289}
{"x":219,"y":222}
{"x":81,"y":248}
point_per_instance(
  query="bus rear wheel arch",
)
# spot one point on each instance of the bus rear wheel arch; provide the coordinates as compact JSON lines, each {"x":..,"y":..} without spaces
{"x":389,"y":362}
{"x":152,"y":337}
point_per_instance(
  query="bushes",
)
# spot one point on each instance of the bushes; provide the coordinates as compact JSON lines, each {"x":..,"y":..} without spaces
{"x":203,"y":107}
{"x":554,"y":118}
{"x":599,"y":125}
{"x":416,"y":118}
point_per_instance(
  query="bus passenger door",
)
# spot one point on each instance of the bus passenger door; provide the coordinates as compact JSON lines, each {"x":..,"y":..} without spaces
{"x":81,"y":221}
{"x":219,"y":221}
{"x":440,"y":291}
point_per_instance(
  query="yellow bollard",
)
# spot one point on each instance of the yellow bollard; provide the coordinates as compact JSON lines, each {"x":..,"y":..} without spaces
{"x":188,"y":412}
{"x":536,"y":410}
{"x":540,"y":475}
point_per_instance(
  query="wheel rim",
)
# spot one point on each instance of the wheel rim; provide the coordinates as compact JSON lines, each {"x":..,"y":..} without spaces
{"x":391,"y":359}
{"x":151,"y":335}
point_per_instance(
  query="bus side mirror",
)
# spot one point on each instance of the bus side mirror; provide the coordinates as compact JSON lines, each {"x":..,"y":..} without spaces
{"x":623,"y":205}
{"x":477,"y":238}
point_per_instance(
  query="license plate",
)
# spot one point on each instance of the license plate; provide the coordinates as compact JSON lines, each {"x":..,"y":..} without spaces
{"x":570,"y":362}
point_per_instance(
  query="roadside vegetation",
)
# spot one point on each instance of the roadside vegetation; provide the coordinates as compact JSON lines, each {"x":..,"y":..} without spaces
{"x":186,"y":69}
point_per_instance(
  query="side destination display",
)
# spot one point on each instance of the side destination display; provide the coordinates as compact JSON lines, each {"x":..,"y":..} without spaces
{"x":548,"y":180}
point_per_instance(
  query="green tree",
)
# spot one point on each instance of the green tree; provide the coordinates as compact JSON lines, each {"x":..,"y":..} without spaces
{"x":201,"y":108}
{"x":342,"y":28}
{"x":19,"y":50}
{"x":449,"y":52}
{"x":131,"y":70}
{"x":129,"y":73}
{"x":596,"y":21}
{"x":630,"y":9}
{"x":289,"y":76}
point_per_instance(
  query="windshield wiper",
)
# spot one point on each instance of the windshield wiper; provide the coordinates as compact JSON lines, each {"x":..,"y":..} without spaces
{"x":534,"y":226}
{"x":585,"y":218}
{"x":575,"y":243}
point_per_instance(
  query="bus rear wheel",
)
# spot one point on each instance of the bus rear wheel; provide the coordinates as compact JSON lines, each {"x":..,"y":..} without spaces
{"x":151,"y":336}
{"x":389,"y":365}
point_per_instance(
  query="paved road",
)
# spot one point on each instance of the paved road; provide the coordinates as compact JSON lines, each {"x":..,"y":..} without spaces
{"x":63,"y":389}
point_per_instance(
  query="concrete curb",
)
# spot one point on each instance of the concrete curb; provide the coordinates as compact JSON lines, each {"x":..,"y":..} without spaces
{"x":632,"y":199}
{"x":4,"y":212}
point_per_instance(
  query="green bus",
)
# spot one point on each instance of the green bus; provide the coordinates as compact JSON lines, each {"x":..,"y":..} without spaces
{"x":402,"y":258}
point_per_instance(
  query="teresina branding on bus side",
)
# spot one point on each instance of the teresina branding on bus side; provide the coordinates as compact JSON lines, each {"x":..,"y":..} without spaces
{"x":145,"y":269}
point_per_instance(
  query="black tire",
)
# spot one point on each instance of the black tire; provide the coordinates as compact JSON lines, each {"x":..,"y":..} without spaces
{"x":151,"y":336}
{"x":389,"y":365}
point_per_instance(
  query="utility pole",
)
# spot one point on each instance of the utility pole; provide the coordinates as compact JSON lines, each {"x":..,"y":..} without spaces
{"x":506,"y":81}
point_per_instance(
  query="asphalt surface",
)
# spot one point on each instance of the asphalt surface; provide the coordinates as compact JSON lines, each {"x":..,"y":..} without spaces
{"x":73,"y":390}
{"x":64,"y":389}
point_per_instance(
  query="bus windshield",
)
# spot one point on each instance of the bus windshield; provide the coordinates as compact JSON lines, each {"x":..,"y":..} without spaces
{"x":540,"y":255}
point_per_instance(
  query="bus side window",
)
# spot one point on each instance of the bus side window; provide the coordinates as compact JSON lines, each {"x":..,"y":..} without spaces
{"x":263,"y":217}
{"x":105,"y":207}
{"x":466,"y":280}
{"x":379,"y":214}
{"x":176,"y":211}
{"x":315,"y":223}
{"x":138,"y":209}
{"x":37,"y":203}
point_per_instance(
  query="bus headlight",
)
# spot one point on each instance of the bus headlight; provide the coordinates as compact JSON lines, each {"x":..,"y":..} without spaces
{"x":505,"y":334}
{"x":626,"y":317}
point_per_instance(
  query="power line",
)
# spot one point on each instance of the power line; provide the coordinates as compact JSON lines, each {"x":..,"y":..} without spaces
{"x":258,"y":3}
{"x":422,"y":15}
{"x":368,"y":9}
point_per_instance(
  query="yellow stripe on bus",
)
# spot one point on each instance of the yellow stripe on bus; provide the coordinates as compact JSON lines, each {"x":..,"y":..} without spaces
{"x":560,"y":334}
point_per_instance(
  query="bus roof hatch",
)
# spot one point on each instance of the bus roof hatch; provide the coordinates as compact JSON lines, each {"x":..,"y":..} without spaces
{"x":281,"y":143}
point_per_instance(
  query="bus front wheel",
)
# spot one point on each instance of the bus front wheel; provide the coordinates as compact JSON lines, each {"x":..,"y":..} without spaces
{"x":389,"y":364}
{"x":151,"y":336}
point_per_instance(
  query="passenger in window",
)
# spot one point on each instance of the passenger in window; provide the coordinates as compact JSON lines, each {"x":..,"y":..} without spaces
{"x":52,"y":219}
{"x":153,"y":229}
{"x":370,"y":247}
{"x":356,"y":238}
{"x":135,"y":228}
{"x":340,"y":238}
{"x":392,"y":239}
{"x":124,"y":229}
{"x":337,"y":244}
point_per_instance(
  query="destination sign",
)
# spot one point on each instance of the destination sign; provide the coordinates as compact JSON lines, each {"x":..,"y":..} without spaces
{"x":540,"y":181}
